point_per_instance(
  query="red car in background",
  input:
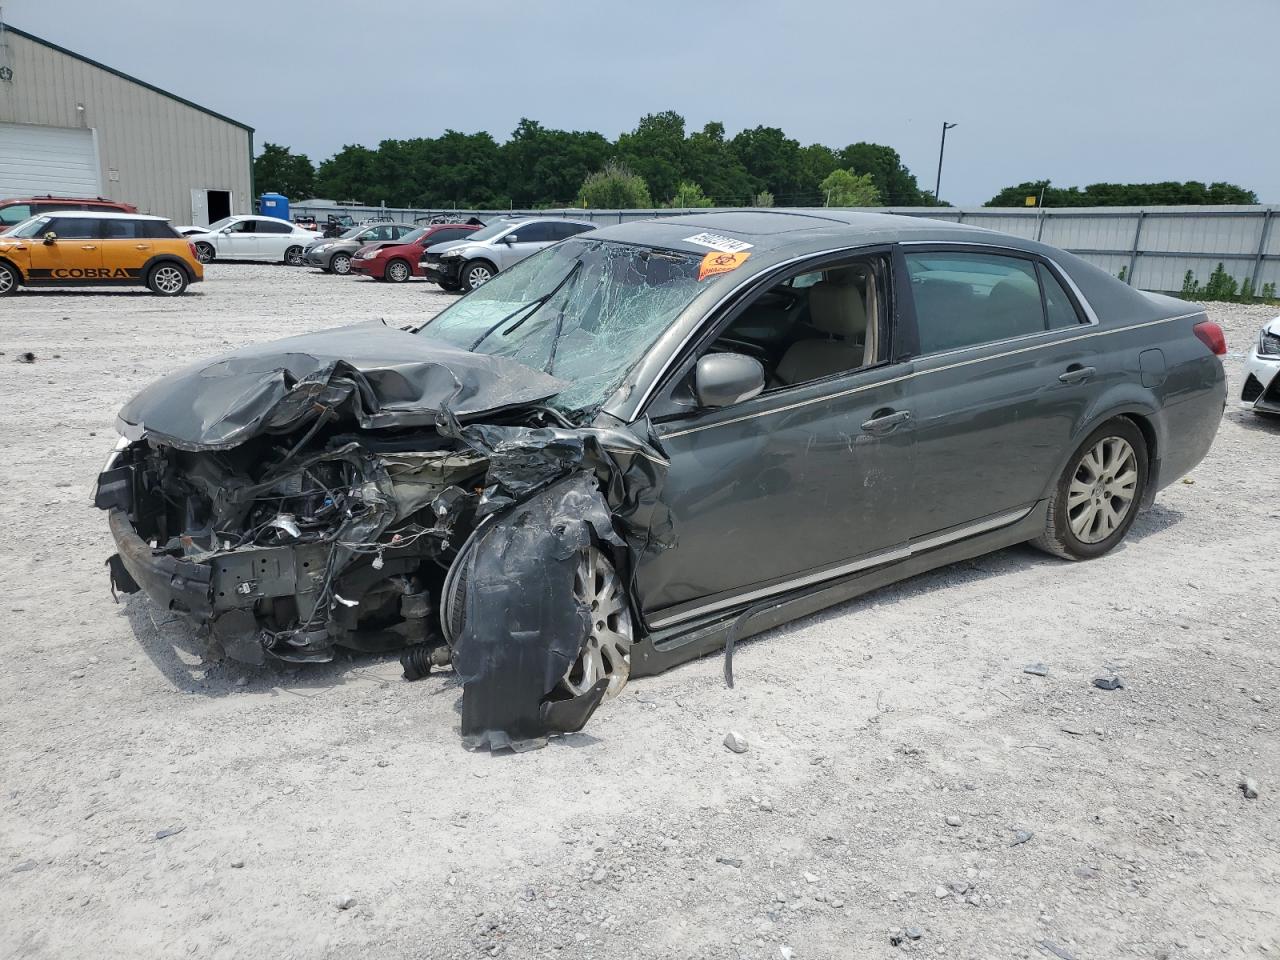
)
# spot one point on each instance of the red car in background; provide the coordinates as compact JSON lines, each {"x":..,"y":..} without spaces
{"x":397,"y":263}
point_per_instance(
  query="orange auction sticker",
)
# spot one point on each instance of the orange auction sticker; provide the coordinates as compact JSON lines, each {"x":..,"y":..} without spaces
{"x":717,"y":262}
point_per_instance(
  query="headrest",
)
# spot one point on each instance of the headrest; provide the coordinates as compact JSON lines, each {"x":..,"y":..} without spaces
{"x":837,"y":309}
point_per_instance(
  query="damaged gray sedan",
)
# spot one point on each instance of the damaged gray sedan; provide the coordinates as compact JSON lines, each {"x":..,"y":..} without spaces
{"x":639,"y":446}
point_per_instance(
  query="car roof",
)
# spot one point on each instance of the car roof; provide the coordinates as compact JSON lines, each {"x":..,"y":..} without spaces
{"x":99,"y":215}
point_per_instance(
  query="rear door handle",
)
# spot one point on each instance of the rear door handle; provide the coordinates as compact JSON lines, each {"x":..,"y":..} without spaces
{"x":885,"y":421}
{"x":143,"y":246}
{"x":88,"y":246}
{"x":1077,"y":374}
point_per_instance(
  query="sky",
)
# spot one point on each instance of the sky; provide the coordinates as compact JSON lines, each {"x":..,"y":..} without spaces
{"x":1078,"y":91}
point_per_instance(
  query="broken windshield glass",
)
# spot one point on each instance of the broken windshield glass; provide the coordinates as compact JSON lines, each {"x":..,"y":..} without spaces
{"x":584,"y":311}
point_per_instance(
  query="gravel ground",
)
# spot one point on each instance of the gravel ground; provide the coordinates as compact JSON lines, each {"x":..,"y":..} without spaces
{"x":897,"y":749}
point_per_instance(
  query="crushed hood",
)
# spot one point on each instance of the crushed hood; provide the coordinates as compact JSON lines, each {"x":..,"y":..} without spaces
{"x":385,"y":376}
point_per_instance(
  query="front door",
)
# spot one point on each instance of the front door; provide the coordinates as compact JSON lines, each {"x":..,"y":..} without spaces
{"x":526,"y":240}
{"x":1003,"y":378}
{"x":809,"y":481}
{"x":75,"y":254}
{"x":240,"y":241}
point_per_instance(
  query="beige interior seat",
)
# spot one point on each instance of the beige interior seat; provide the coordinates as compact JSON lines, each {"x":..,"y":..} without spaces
{"x":838,"y":310}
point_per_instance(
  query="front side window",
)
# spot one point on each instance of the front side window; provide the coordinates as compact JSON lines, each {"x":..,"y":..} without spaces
{"x":966,"y":299}
{"x":73,"y":228}
{"x":584,"y":311}
{"x":35,"y":227}
{"x":14,"y":214}
{"x":244,"y":226}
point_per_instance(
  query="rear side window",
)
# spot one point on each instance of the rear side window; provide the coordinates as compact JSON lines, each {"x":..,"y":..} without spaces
{"x":444,"y":236}
{"x":966,"y":299}
{"x":534,"y":233}
{"x":123,"y":229}
{"x":1058,"y":308}
{"x":566,"y":230}
{"x":274,"y":226}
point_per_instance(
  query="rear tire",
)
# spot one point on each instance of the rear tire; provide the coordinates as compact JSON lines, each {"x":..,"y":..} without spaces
{"x":340,"y":263}
{"x":167,"y":280}
{"x":204,"y":252}
{"x":397,"y":271}
{"x":476,"y":274}
{"x":293,"y":256}
{"x":1096,"y":499}
{"x":9,"y":280}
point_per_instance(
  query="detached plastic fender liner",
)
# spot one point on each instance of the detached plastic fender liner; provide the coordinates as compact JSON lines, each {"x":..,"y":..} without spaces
{"x":523,"y":625}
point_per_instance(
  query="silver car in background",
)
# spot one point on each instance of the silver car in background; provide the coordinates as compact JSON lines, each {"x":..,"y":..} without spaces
{"x":467,"y":264}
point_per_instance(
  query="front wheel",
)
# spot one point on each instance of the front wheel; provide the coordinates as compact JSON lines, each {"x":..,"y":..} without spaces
{"x":9,"y":280}
{"x":293,"y":256}
{"x":451,"y":286}
{"x":398,"y":271}
{"x":204,"y":252}
{"x":167,"y":280}
{"x":476,"y":274}
{"x":340,"y":264}
{"x":1096,"y":499}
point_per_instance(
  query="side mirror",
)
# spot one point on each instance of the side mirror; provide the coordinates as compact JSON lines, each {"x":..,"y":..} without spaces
{"x":226,"y":230}
{"x":721,"y":379}
{"x":510,"y":238}
{"x":50,"y":237}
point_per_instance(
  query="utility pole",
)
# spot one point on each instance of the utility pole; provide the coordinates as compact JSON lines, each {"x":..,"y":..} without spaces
{"x":942,"y":149}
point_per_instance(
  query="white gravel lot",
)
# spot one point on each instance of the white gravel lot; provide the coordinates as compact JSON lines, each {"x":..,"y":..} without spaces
{"x":869,"y":726}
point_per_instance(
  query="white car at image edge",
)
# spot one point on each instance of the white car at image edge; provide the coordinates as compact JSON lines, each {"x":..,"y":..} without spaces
{"x":1261,"y":390}
{"x":252,"y":238}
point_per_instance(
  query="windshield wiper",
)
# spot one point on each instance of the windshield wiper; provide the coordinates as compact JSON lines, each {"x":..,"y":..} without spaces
{"x":532,"y":306}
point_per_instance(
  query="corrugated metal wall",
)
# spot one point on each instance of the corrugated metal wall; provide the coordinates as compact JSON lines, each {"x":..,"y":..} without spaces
{"x":1155,"y":246}
{"x":153,"y":150}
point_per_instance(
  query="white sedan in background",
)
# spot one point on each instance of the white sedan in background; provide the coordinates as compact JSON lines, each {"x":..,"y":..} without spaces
{"x":252,"y":238}
{"x":1261,"y":390}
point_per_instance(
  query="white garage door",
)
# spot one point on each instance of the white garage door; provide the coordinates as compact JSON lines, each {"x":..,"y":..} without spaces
{"x":36,"y":160}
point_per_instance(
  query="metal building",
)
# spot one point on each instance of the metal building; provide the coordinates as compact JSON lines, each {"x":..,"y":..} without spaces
{"x":70,"y":126}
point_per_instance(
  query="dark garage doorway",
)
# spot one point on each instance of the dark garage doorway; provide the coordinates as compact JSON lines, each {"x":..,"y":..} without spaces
{"x":219,"y":204}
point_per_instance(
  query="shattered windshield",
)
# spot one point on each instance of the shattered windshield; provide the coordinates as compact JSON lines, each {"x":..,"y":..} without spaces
{"x":584,"y":311}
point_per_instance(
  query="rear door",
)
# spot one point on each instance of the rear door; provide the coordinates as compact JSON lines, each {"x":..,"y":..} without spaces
{"x":274,"y":238}
{"x":1004,"y":374}
{"x":126,"y":247}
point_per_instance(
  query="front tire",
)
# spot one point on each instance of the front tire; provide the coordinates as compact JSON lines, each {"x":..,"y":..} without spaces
{"x":1096,"y":499}
{"x":476,"y":274}
{"x":450,"y":286}
{"x":340,"y":264}
{"x":9,"y":280}
{"x":204,"y":252}
{"x":397,"y":271}
{"x":293,"y":256}
{"x":167,"y":280}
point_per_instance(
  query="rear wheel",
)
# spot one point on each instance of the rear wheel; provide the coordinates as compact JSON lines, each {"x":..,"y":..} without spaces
{"x":1096,"y":499}
{"x":340,"y":263}
{"x":204,"y":252}
{"x":167,"y":280}
{"x":293,"y":256}
{"x":476,"y":274}
{"x":398,"y":271}
{"x":9,"y":280}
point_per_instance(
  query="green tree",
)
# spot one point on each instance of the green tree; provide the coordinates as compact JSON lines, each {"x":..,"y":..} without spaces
{"x":773,"y":162}
{"x":689,"y":194}
{"x":762,"y":199}
{"x":655,"y":150}
{"x":1167,"y":193}
{"x":278,"y":170}
{"x":895,"y":184}
{"x":844,"y":188}
{"x":614,"y":187}
{"x":347,"y":174}
{"x":709,"y":159}
{"x":546,"y":167}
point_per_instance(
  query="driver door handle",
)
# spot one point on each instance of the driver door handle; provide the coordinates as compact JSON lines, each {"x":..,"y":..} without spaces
{"x":885,"y":421}
{"x":88,"y":246}
{"x":1077,"y":374}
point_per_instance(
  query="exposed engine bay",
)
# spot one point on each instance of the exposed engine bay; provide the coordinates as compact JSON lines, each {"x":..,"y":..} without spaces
{"x":292,"y":504}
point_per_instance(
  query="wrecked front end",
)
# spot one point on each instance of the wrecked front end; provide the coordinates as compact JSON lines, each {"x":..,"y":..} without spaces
{"x":291,"y":503}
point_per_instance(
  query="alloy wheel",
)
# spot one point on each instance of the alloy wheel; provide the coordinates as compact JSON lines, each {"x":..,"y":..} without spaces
{"x":293,"y":256}
{"x":168,"y":280}
{"x":204,"y":252}
{"x":607,"y":652}
{"x":1102,"y":490}
{"x":6,"y":280}
{"x":478,"y":275}
{"x":398,"y":271}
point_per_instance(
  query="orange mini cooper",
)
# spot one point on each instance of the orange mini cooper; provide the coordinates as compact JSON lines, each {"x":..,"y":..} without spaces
{"x":73,"y":248}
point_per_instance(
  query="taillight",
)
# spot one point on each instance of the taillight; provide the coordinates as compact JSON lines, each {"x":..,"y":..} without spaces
{"x":1211,"y":335}
{"x":192,"y":247}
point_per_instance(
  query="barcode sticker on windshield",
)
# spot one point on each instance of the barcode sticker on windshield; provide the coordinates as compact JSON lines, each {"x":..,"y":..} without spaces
{"x":719,"y":242}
